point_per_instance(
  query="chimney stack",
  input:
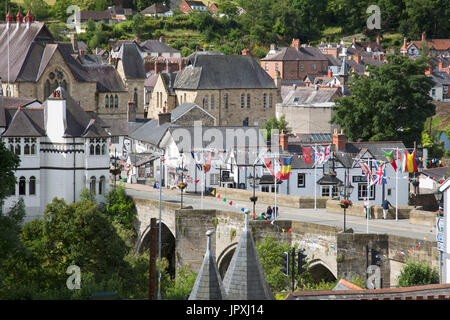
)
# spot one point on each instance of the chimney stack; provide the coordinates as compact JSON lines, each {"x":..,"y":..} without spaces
{"x":131,"y":111}
{"x":277,"y":79}
{"x":273,"y":47}
{"x":378,"y":39}
{"x":353,"y":41}
{"x":74,"y":42}
{"x":284,"y":141}
{"x":296,"y":44}
{"x":357,"y":57}
{"x":339,"y":140}
{"x":161,"y":39}
{"x":424,"y":36}
{"x":330,"y":73}
{"x":164,"y":118}
{"x":441,"y":65}
{"x":246,"y":52}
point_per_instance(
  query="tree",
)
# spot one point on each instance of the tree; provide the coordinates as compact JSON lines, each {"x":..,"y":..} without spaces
{"x":120,"y":208}
{"x":274,"y":123}
{"x":392,"y":103}
{"x":417,"y":273}
{"x":9,"y":163}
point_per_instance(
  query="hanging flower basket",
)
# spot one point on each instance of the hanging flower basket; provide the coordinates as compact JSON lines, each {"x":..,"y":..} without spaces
{"x":206,"y":167}
{"x":182,"y":185}
{"x":345,"y":204}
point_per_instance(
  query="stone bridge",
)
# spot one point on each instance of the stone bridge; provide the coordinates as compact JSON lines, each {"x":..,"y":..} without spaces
{"x":331,"y":253}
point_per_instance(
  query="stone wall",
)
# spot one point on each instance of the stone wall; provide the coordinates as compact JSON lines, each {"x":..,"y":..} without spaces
{"x":266,"y":197}
{"x":376,"y":212}
{"x":420,"y":217}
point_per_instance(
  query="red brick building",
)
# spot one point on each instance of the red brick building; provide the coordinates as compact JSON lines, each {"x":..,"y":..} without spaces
{"x":189,"y":6}
{"x":295,"y":62}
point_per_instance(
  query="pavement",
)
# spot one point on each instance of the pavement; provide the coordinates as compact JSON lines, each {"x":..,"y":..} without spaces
{"x":401,"y":227}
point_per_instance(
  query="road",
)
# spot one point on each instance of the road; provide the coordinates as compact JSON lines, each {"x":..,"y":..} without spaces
{"x":401,"y":227}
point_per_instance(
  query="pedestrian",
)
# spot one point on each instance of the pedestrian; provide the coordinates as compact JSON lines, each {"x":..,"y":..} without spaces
{"x":269,"y":213}
{"x":385,"y":204}
{"x":366,"y":208}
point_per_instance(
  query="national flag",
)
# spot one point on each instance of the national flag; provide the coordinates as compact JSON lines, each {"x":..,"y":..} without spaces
{"x":268,"y":165}
{"x":408,"y":161}
{"x":365,"y":168}
{"x":380,"y":173}
{"x":285,"y":168}
{"x":318,"y":156}
{"x":307,"y":155}
{"x":390,"y":157}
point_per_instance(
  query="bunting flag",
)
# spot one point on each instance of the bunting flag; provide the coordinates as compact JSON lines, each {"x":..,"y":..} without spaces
{"x":285,"y":168}
{"x":380,"y":173}
{"x":307,"y":155}
{"x":390,"y":157}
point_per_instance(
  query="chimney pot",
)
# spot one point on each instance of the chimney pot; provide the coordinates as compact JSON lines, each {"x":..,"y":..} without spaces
{"x":246,"y":52}
{"x":424,"y":36}
{"x":284,"y":141}
{"x":296,"y":44}
{"x":161,"y":39}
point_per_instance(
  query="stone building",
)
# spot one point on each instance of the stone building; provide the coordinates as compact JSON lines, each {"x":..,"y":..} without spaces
{"x":163,"y":98}
{"x":34,"y":65}
{"x":234,"y":89}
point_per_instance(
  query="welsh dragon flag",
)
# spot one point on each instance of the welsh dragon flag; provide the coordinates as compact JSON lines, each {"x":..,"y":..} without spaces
{"x":390,"y":157}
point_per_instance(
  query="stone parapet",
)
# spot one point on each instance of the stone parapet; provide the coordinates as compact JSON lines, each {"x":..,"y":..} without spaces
{"x":376,"y":211}
{"x":266,"y":197}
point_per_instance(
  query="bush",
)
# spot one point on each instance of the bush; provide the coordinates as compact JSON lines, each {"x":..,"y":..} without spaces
{"x":417,"y":273}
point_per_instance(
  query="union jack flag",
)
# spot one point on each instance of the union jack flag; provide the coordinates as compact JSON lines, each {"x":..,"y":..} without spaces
{"x":380,"y":173}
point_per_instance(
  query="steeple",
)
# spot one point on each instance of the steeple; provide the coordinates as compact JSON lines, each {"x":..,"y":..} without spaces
{"x":208,"y":284}
{"x":245,"y":278}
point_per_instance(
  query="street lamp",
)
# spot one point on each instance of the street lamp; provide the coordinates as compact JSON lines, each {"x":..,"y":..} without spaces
{"x":438,"y":195}
{"x":181,"y":185}
{"x":345,"y":190}
{"x":254,"y":181}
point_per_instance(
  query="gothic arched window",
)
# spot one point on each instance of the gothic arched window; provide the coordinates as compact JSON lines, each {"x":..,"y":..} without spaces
{"x":22,"y":186}
{"x":32,"y":186}
{"x":116,"y":102}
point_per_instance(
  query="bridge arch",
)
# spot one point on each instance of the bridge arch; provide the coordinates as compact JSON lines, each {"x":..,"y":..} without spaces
{"x":224,"y":259}
{"x":167,"y":245}
{"x":321,"y":271}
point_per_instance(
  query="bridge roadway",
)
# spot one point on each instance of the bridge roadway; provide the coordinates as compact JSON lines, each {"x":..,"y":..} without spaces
{"x":401,"y":227}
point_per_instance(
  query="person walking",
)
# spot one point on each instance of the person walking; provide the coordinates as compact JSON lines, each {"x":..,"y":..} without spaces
{"x":385,"y":204}
{"x":366,"y":208}
{"x":269,"y":213}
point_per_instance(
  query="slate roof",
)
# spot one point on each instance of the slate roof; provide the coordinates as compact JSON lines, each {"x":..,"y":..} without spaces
{"x":440,"y":78}
{"x":133,"y":63}
{"x":24,"y":45}
{"x":245,"y":279}
{"x":184,"y":108}
{"x":157,"y":46}
{"x":106,"y":77}
{"x":169,"y":80}
{"x":309,"y":95}
{"x":208,"y":284}
{"x":292,"y":54}
{"x":151,"y":132}
{"x":93,"y":15}
{"x":216,"y":72}
{"x":32,"y":121}
{"x":155,"y":9}
{"x":436,"y":173}
{"x":26,"y":123}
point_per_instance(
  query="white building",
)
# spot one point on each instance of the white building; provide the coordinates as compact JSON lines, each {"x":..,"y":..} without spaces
{"x":445,"y":189}
{"x":62,"y":151}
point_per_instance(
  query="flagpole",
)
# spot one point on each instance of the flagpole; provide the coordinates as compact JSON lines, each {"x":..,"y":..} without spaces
{"x":368,"y":198}
{"x":275,"y":183}
{"x":396,"y":191}
{"x":203,"y":186}
{"x":315,"y":178}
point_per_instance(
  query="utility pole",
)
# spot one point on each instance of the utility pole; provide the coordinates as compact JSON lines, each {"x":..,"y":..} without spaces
{"x":152,"y":262}
{"x":293,"y":269}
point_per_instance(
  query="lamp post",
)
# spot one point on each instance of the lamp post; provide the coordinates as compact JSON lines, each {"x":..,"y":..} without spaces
{"x":181,"y":185}
{"x":254,"y":181}
{"x":345,"y":190}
